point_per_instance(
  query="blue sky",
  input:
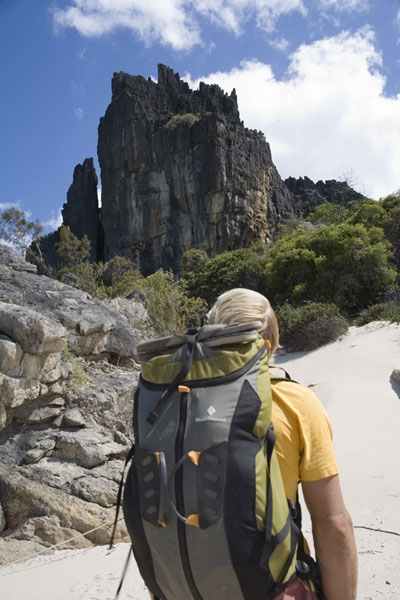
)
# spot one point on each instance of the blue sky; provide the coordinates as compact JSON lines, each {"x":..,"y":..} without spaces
{"x":321,"y":79}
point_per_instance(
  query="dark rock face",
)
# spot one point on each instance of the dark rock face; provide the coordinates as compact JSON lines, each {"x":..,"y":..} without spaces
{"x":81,"y":212}
{"x":308,"y":195}
{"x":179,"y":171}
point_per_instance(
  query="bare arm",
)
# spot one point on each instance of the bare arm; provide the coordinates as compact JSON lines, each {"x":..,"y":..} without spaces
{"x":333,"y":535}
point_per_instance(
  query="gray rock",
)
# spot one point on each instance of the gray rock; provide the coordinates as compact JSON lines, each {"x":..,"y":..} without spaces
{"x":73,"y":418}
{"x":34,"y":332}
{"x":2,"y":519}
{"x":65,"y":411}
{"x":396,"y":375}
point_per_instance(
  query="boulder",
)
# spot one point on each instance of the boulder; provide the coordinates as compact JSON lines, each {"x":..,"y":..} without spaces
{"x":67,"y":379}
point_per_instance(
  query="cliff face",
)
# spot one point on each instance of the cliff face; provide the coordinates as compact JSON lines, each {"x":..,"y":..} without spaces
{"x":179,"y":171}
{"x":81,"y":211}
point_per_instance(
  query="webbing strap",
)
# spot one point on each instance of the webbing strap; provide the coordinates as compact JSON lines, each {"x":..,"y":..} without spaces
{"x":270,"y":443}
{"x":290,"y":524}
{"x":130,"y":455}
{"x":187,"y":365}
{"x":122,"y":578}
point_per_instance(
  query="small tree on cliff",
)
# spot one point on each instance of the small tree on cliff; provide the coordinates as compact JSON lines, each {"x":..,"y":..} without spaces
{"x":70,"y":250}
{"x":16,"y":230}
{"x":76,"y":270}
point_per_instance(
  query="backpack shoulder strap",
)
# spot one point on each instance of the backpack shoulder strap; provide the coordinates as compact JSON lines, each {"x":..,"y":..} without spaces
{"x":284,"y":376}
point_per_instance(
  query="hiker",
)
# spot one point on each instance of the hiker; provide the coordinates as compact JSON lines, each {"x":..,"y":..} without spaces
{"x":305,"y":452}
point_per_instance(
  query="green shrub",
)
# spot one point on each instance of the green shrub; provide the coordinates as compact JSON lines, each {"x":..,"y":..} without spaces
{"x":186,"y":119}
{"x":78,"y":374}
{"x":169,"y":308}
{"x":310,"y":326}
{"x":210,"y":277}
{"x":384,"y":311}
{"x":347,"y":265}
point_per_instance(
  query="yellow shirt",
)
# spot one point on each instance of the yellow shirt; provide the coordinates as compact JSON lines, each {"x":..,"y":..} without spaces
{"x":304,"y":436}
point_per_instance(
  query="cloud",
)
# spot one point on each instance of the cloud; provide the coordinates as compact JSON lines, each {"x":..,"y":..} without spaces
{"x":7,"y":205}
{"x":177,"y":23}
{"x":163,"y":21}
{"x":174,"y":23}
{"x":78,"y":112}
{"x":345,"y":5}
{"x":233,"y":14}
{"x":328,"y":116}
{"x":54,"y":222}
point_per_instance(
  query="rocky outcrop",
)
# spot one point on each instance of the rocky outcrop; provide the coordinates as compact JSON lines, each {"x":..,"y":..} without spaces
{"x":81,"y":211}
{"x":179,"y":170}
{"x":308,"y":195}
{"x":67,"y":377}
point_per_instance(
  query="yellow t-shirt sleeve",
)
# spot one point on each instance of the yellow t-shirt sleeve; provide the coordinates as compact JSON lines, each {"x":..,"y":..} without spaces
{"x":304,"y":435}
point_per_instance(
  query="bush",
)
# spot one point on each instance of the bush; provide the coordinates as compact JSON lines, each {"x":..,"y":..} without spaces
{"x":187,"y":119}
{"x":346,"y":265}
{"x":210,"y":277}
{"x":385,"y":311}
{"x":169,"y":308}
{"x":309,"y":326}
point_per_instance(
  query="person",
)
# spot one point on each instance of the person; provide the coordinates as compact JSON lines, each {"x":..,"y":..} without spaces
{"x":305,"y":452}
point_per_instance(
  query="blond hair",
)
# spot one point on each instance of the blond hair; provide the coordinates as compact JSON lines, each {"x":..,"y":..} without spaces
{"x":241,"y":305}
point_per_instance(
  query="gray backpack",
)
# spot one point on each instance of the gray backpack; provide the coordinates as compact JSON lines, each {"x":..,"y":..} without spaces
{"x":204,"y":502}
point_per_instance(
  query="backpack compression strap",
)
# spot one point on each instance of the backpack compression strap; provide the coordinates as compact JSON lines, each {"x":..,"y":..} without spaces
{"x":191,"y":340}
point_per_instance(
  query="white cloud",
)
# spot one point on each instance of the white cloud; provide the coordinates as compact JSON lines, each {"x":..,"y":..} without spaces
{"x":7,"y":205}
{"x":172,"y":23}
{"x":233,"y":14}
{"x":99,"y":195}
{"x":165,"y":21}
{"x":328,"y":117}
{"x":346,"y":5}
{"x":55,"y":221}
{"x":281,"y":44}
{"x":78,"y":112}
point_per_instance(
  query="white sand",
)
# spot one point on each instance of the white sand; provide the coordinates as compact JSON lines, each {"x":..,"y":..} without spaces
{"x":352,"y":377}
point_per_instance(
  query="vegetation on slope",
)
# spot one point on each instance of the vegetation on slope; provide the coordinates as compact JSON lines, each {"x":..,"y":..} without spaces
{"x":341,"y":266}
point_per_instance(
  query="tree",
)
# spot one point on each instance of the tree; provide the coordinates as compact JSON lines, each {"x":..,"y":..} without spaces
{"x":16,"y":230}
{"x":208,"y":278}
{"x":327,"y":214}
{"x":369,"y":213}
{"x":71,"y":250}
{"x":169,"y":308}
{"x":347,"y":265}
{"x":391,"y":205}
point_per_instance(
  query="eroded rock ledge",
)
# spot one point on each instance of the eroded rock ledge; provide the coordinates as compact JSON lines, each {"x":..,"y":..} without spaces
{"x":67,"y":377}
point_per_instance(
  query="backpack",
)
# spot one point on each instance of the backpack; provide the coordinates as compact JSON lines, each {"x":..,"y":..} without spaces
{"x":204,"y":502}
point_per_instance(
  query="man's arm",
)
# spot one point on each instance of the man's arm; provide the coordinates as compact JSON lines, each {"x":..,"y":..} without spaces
{"x":333,"y":535}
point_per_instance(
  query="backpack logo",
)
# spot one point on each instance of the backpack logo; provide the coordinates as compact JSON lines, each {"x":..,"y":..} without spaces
{"x":210,"y":416}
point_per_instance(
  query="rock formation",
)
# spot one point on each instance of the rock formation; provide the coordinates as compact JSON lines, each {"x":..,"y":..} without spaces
{"x":179,"y":170}
{"x":81,"y":211}
{"x":308,"y":195}
{"x":67,"y":377}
